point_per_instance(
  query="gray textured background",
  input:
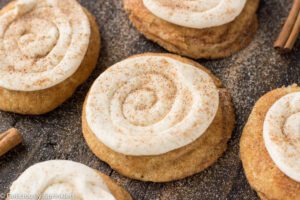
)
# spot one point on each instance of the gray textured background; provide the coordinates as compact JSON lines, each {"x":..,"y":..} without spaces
{"x":248,"y":75}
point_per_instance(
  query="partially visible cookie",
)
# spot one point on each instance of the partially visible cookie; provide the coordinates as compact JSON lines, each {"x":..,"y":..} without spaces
{"x":61,"y":179}
{"x":197,"y":29}
{"x":270,"y":147}
{"x":49,"y":49}
{"x":158,"y":117}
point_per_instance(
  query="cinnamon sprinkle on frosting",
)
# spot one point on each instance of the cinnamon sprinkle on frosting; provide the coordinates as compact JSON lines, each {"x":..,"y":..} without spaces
{"x":60,"y":179}
{"x":42,"y":43}
{"x":150,"y":105}
{"x":196,"y":13}
{"x":282,"y":134}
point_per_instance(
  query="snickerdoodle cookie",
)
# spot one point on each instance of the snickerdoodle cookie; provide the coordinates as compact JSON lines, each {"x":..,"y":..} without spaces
{"x":158,"y":117}
{"x":197,"y":29}
{"x":61,"y":179}
{"x":270,"y":145}
{"x":47,"y":49}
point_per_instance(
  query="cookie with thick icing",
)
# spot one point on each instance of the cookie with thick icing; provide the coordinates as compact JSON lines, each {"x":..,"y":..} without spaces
{"x":61,"y":179}
{"x":270,"y":146}
{"x":47,"y":49}
{"x":158,"y":117}
{"x":197,"y":29}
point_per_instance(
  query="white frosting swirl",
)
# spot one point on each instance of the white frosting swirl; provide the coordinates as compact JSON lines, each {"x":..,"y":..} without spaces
{"x":42,"y":43}
{"x":196,"y":13}
{"x":59,"y":179}
{"x":282,"y":134}
{"x":150,"y":105}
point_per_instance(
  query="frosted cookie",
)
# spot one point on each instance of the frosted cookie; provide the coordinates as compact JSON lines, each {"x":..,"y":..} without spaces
{"x":270,"y":145}
{"x":158,"y":117}
{"x":61,"y":179}
{"x":47,"y":49}
{"x":197,"y":29}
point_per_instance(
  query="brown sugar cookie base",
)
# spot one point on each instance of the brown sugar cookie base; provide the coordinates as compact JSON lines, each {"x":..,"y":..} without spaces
{"x":119,"y":192}
{"x":262,"y":173}
{"x":43,"y":101}
{"x":216,"y":42}
{"x":179,"y":163}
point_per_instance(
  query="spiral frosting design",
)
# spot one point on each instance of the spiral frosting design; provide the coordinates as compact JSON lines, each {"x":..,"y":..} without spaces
{"x":59,"y":179}
{"x":42,"y":43}
{"x":282,"y":134}
{"x":196,"y":13}
{"x":150,"y":105}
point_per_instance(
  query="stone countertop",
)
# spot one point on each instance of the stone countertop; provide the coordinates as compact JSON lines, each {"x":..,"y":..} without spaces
{"x":247,"y":74}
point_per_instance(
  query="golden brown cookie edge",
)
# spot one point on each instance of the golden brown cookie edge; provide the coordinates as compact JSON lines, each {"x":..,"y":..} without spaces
{"x":117,"y":191}
{"x":137,"y":12}
{"x":123,"y":167}
{"x":261,"y":172}
{"x":44,"y":101}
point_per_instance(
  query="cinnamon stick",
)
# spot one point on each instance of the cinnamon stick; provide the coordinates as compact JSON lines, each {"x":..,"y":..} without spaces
{"x":9,"y":140}
{"x":291,"y":28}
{"x":294,"y":34}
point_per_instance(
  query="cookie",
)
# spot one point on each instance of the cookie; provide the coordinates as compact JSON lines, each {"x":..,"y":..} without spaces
{"x":48,"y":49}
{"x":61,"y":179}
{"x":158,"y":117}
{"x":269,"y":147}
{"x":196,"y":29}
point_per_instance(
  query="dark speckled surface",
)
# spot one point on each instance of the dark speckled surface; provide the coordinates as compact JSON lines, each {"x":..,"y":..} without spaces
{"x":248,"y":75}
